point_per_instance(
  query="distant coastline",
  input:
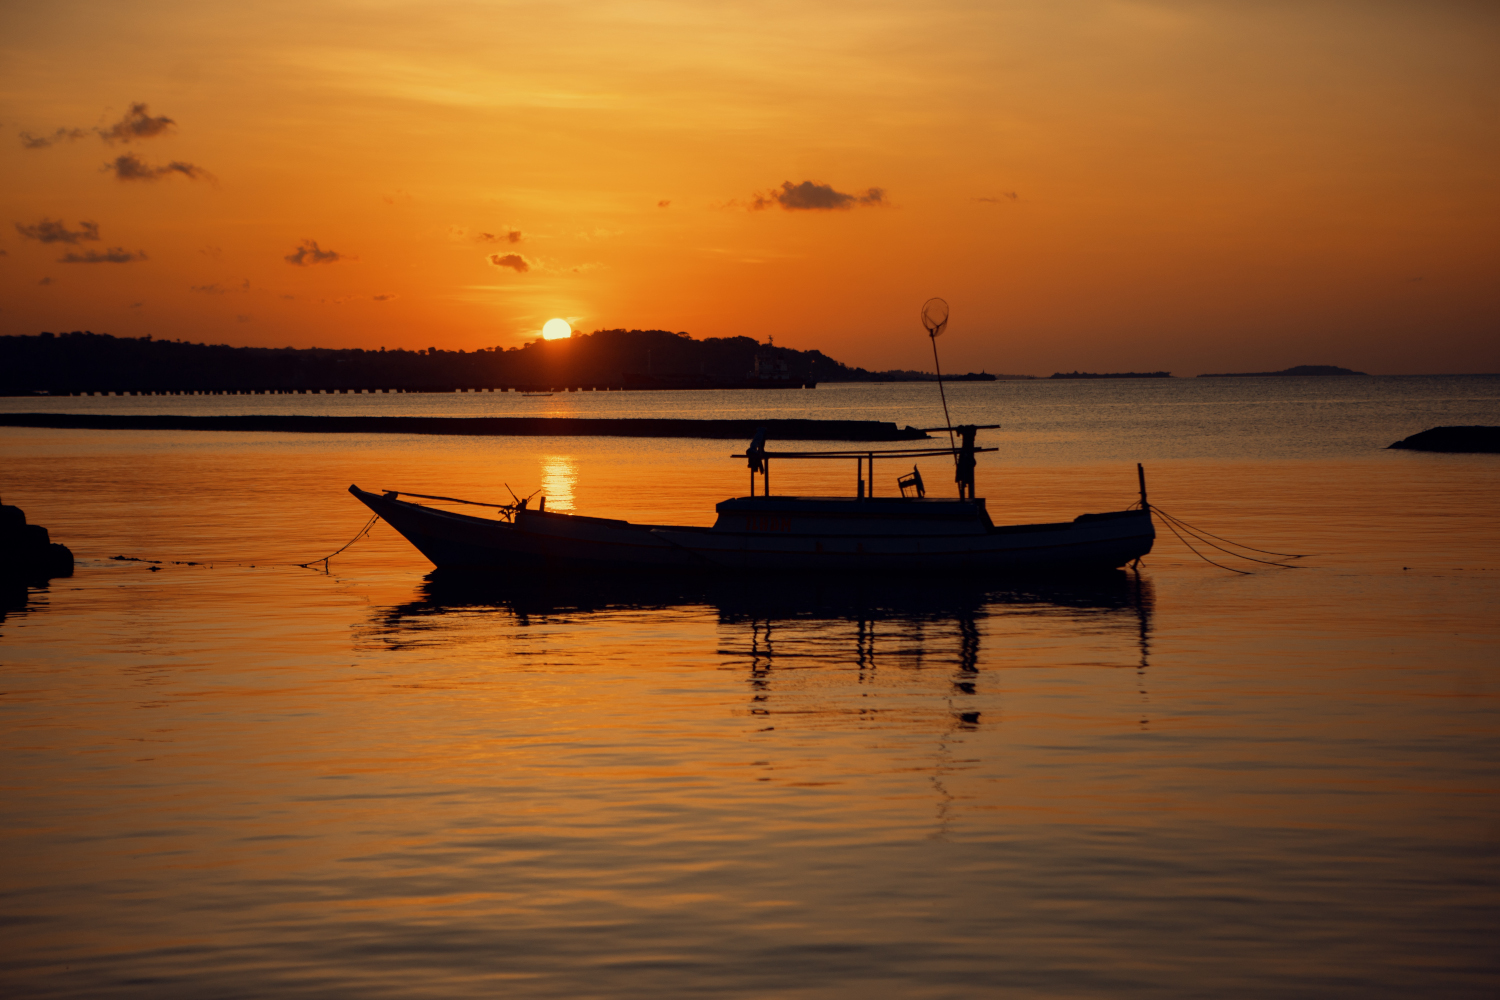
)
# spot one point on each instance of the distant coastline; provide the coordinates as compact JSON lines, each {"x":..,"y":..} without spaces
{"x":83,"y":363}
{"x":1299,"y":370}
{"x":1110,"y":375}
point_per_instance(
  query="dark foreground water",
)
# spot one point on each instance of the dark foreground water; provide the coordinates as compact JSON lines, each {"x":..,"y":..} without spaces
{"x":244,"y":778}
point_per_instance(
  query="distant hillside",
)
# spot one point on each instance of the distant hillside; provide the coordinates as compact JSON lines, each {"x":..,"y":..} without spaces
{"x":1299,"y":370}
{"x":83,"y":360}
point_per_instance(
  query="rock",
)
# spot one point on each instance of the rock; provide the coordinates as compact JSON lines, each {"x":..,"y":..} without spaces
{"x":1473,"y":439}
{"x":27,"y":551}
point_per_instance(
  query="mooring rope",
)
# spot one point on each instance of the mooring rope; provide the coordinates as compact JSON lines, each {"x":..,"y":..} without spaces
{"x":1200,"y":531}
{"x":1170,"y":520}
{"x":1202,"y":537}
{"x":362,"y":533}
{"x":1200,"y":555}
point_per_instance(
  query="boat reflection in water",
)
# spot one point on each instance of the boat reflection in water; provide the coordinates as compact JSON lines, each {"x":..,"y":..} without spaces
{"x":918,"y":641}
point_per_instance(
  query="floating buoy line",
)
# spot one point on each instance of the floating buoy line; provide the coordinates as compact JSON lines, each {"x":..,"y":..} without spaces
{"x":156,"y":564}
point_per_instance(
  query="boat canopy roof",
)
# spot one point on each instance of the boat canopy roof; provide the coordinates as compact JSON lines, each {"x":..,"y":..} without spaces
{"x":757,"y":447}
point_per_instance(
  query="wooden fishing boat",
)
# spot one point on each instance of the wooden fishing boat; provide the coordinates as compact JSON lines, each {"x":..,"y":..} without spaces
{"x":910,"y":534}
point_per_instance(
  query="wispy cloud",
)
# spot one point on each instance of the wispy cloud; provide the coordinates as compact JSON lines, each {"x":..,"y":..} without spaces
{"x":1008,"y":196}
{"x":30,"y":141}
{"x":514,"y":261}
{"x":812,"y":196}
{"x":129,"y":167}
{"x":45,"y":281}
{"x":137,"y":124}
{"x":54,"y":231}
{"x":310,"y":253}
{"x":218,"y":289}
{"x":384,"y":298}
{"x":664,"y":203}
{"x":508,"y":236}
{"x":114,"y":255}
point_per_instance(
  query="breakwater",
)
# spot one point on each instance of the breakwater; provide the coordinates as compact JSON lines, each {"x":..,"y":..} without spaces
{"x":776,"y":430}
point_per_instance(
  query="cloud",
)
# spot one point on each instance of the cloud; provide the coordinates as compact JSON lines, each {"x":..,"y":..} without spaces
{"x":509,"y":236}
{"x":310,"y":253}
{"x":114,"y":255}
{"x":136,"y":305}
{"x":384,"y":298}
{"x":129,"y":168}
{"x":514,"y":261}
{"x":810,"y":196}
{"x":1009,"y":196}
{"x":137,"y":124}
{"x":45,"y":281}
{"x":663,"y":203}
{"x":242,"y":318}
{"x":43,"y":141}
{"x":218,"y":289}
{"x":54,"y":231}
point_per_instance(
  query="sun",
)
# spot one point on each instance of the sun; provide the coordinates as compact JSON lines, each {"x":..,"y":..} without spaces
{"x":556,"y":329}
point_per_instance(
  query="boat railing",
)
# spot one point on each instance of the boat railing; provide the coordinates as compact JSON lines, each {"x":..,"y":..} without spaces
{"x":507,"y":510}
{"x":864,"y":459}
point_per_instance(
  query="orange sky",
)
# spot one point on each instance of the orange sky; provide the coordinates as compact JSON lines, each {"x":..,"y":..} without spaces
{"x":1099,"y":185}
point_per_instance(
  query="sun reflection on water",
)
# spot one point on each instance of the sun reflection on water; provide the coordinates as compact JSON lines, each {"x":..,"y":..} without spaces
{"x":559,"y":475}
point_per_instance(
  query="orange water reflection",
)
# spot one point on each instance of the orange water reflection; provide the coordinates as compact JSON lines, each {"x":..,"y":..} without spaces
{"x":223,"y":778}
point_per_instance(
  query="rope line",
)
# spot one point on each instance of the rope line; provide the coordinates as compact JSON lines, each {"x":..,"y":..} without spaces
{"x":1169,"y":519}
{"x":1200,"y":555}
{"x":471,"y":503}
{"x":362,"y":533}
{"x":1284,"y":555}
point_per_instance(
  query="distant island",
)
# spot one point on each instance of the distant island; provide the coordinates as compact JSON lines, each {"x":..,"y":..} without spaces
{"x":1110,"y":375}
{"x":83,"y":361}
{"x":1299,"y":370}
{"x":912,"y":376}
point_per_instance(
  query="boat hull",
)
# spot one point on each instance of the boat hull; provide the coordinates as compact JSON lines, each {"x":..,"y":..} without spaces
{"x":773,"y":538}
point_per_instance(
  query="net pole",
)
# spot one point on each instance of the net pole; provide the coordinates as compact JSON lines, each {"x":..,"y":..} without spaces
{"x":946,"y":419}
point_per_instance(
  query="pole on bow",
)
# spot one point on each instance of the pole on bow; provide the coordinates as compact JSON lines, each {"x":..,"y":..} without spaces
{"x":935,"y":319}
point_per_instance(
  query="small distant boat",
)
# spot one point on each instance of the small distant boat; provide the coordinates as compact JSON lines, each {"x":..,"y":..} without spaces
{"x":764,"y":533}
{"x":536,"y":393}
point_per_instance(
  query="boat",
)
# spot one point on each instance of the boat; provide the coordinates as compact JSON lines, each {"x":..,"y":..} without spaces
{"x":909,"y":533}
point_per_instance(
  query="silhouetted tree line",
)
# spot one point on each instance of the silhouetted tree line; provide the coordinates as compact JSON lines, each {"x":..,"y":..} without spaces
{"x":87,"y":361}
{"x":83,"y":361}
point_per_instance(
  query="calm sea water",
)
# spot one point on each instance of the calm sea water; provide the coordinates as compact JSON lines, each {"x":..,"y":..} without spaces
{"x":244,"y":778}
